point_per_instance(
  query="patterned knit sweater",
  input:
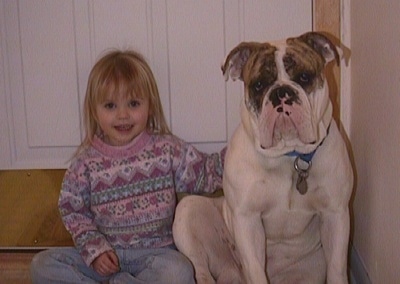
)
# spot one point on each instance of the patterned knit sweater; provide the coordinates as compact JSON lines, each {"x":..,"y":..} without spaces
{"x":125,"y":197}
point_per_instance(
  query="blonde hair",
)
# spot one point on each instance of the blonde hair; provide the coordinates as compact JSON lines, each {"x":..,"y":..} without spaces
{"x":125,"y":71}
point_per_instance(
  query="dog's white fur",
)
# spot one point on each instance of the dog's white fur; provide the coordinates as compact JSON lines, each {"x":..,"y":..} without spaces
{"x":263,"y":230}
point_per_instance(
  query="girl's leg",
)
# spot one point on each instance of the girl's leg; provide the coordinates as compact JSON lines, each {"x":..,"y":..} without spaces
{"x":62,"y":265}
{"x":164,"y":265}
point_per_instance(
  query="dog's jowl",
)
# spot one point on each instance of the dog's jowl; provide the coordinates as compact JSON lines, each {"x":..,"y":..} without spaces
{"x":284,"y":216}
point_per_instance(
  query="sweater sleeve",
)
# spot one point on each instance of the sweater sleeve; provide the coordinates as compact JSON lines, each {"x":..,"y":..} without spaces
{"x":74,"y":207}
{"x":197,"y":172}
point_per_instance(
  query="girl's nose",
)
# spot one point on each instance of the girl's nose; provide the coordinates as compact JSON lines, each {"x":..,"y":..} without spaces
{"x":123,"y":112}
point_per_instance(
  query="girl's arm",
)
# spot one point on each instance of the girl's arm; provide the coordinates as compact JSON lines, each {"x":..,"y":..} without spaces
{"x":198,"y":172}
{"x":74,"y":206}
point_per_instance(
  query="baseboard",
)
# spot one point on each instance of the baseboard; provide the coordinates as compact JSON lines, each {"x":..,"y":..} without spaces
{"x":359,"y":274}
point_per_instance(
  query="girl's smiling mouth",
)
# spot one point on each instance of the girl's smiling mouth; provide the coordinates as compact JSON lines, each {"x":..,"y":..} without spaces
{"x":124,"y":128}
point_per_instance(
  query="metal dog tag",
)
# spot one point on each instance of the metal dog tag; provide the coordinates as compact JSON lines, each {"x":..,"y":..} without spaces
{"x":301,"y":184}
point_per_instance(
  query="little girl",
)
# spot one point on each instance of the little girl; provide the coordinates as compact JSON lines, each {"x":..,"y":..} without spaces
{"x":118,"y":197}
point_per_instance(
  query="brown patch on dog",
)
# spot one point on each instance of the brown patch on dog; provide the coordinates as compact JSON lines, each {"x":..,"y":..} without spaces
{"x":259,"y":73}
{"x":254,"y":64}
{"x":304,"y":65}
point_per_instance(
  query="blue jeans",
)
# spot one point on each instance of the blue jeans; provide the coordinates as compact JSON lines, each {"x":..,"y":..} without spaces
{"x":65,"y":265}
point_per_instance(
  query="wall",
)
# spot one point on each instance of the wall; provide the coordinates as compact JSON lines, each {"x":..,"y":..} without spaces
{"x":375,"y":135}
{"x":48,"y":47}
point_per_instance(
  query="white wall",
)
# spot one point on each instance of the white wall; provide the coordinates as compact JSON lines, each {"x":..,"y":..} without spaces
{"x":375,"y":135}
{"x":48,"y":47}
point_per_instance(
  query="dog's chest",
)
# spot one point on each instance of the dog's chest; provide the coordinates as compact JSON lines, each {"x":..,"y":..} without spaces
{"x":285,"y":211}
{"x":287,"y":218}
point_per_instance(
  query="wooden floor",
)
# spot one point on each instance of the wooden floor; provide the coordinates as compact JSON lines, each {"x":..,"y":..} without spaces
{"x":14,"y":267}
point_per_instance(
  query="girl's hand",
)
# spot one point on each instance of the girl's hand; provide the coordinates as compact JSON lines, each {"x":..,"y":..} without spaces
{"x":106,"y":263}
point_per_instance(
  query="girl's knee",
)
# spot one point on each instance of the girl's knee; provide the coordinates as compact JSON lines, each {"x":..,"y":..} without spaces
{"x":40,"y":259}
{"x":55,"y":265}
{"x":182,"y":270}
{"x":39,"y":263}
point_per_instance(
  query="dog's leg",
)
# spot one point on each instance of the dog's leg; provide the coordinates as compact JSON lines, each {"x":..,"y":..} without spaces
{"x":335,"y":228}
{"x":310,"y":269}
{"x":335,"y":216}
{"x":188,"y":232}
{"x":249,"y":237}
{"x":201,"y":234}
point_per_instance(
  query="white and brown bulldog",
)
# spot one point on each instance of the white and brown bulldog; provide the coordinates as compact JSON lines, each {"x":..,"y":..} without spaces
{"x":284,"y":217}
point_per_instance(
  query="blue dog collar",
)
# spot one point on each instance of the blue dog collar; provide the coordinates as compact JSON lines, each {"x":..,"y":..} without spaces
{"x":305,"y":157}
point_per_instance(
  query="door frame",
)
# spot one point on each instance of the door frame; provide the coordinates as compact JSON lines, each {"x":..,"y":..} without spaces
{"x":333,"y":17}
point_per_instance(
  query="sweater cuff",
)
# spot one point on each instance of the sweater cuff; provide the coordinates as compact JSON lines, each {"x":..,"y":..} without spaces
{"x":93,"y":248}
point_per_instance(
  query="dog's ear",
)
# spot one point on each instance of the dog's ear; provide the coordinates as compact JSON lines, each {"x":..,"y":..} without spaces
{"x":236,"y":60}
{"x":323,"y":45}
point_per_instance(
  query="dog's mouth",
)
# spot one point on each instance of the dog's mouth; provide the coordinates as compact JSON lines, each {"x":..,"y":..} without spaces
{"x":284,"y":128}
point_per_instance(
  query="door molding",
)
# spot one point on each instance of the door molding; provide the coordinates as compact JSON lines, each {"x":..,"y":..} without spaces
{"x":327,"y":19}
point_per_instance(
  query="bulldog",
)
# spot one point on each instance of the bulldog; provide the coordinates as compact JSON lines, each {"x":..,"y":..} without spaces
{"x":284,"y":216}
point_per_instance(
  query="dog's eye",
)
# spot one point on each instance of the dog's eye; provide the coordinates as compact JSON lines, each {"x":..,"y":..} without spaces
{"x":258,"y":86}
{"x":304,"y":78}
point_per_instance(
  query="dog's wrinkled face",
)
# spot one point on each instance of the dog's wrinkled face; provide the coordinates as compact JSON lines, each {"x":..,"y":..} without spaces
{"x":285,"y":88}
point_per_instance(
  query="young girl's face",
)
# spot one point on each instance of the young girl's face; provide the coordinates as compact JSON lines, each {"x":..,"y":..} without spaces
{"x":122,"y":118}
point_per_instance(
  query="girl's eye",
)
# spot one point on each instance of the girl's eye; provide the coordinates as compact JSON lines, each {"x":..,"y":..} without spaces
{"x":134,"y":103}
{"x":109,"y":105}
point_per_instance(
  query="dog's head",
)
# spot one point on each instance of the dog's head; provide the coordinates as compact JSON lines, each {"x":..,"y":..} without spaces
{"x":286,"y":104}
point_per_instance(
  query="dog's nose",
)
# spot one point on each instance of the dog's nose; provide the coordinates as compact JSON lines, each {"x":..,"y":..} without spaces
{"x":281,"y":93}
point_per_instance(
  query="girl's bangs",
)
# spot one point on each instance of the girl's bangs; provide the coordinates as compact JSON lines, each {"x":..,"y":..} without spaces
{"x":126,"y":82}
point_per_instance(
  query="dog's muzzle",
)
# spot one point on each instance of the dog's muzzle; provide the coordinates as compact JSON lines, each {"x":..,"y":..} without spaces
{"x":283,"y":95}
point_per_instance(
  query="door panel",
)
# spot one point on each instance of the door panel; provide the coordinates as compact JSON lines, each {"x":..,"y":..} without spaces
{"x":48,"y":48}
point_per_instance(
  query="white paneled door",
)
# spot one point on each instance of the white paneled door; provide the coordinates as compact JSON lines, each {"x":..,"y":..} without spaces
{"x":49,"y":46}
